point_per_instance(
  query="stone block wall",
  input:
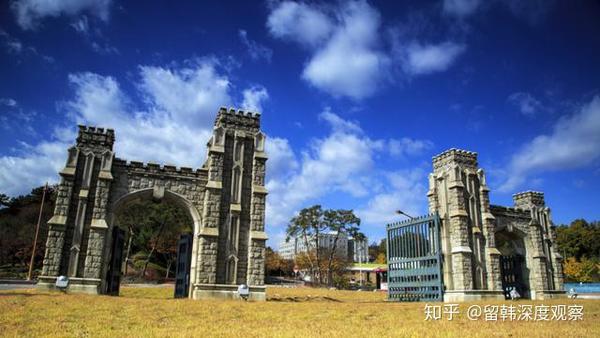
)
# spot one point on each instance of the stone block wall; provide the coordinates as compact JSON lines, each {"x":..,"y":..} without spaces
{"x":459,"y":193}
{"x":95,"y":185}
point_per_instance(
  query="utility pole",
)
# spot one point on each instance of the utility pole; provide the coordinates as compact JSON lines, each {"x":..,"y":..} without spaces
{"x":360,"y":273}
{"x":37,"y":231}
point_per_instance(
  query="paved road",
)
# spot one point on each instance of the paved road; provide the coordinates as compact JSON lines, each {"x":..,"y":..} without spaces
{"x":16,"y":286}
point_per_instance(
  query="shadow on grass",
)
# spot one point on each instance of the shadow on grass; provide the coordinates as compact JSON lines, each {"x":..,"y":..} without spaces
{"x":14,"y":294}
{"x":304,"y":299}
{"x":30,"y":294}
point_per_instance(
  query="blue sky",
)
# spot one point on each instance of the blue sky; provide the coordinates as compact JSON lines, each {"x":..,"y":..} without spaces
{"x":356,"y":97}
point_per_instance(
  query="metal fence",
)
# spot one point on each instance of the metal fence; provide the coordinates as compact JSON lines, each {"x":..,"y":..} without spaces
{"x":415,"y":260}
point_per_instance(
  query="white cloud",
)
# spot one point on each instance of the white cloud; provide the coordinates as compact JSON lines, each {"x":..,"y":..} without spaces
{"x":461,"y":8}
{"x":341,"y":161}
{"x":21,"y":173}
{"x":350,"y":64}
{"x":347,"y":56}
{"x":254,"y":97}
{"x":407,"y":146}
{"x":527,"y":104}
{"x":299,"y":22}
{"x":192,"y":94}
{"x":405,"y":190}
{"x":338,"y":124}
{"x":12,"y":44}
{"x":17,"y":47}
{"x":81,"y":25}
{"x":426,"y":59}
{"x":170,"y":126}
{"x":30,"y":12}
{"x":573,"y":143}
{"x":8,"y":102}
{"x":255,"y":50}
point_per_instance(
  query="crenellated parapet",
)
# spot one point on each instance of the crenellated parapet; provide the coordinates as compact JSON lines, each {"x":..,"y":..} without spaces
{"x":238,"y":119}
{"x":154,"y":169}
{"x":463,"y":158}
{"x":529,"y":199}
{"x":97,"y":138}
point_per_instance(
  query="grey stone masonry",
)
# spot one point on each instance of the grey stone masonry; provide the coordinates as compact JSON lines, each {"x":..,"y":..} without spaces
{"x":472,"y":228}
{"x":225,"y":200}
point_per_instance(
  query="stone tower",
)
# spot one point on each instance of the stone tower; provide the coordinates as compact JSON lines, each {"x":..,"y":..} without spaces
{"x":477,"y":237}
{"x":459,"y":193}
{"x":546,"y":261}
{"x":234,"y":201}
{"x":225,"y":199}
{"x":77,"y":231}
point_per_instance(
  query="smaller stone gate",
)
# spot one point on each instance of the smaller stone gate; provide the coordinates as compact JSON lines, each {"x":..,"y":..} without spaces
{"x":483,"y":250}
{"x":490,"y":249}
{"x":225,"y":199}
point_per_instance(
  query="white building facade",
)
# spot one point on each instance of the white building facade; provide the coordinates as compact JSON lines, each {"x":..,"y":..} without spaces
{"x":346,"y":247}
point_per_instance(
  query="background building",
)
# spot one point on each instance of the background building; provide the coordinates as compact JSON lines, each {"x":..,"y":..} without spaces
{"x":358,"y":251}
{"x":346,"y":247}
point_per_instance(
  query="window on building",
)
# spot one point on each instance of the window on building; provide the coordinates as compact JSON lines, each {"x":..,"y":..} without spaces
{"x":230,"y":270}
{"x":239,"y":146}
{"x":232,"y":234}
{"x":235,"y":186}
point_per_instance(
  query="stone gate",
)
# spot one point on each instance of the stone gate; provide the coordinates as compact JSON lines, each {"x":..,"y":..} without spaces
{"x":488,"y":248}
{"x":225,"y":198}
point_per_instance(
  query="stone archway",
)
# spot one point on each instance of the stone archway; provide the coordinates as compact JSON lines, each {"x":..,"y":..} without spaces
{"x":472,"y":227}
{"x":157,"y":194}
{"x":229,"y":187}
{"x":515,"y":261}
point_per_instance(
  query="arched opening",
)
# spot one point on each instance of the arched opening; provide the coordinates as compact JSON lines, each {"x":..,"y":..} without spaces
{"x":513,"y":261}
{"x":148,"y":227}
{"x":231,"y":270}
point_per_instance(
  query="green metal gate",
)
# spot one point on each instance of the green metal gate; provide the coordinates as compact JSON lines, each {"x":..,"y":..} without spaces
{"x":184,"y":261}
{"x":414,"y":260}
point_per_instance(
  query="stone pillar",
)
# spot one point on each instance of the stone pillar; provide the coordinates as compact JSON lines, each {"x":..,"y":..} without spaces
{"x":80,"y":215}
{"x":462,"y":273}
{"x":58,"y":223}
{"x":437,"y":203}
{"x":209,"y":232}
{"x":56,"y":229}
{"x":557,"y":262}
{"x":97,"y":235}
{"x":540,"y":277}
{"x":492,"y":255}
{"x":258,"y":237}
{"x":75,"y":248}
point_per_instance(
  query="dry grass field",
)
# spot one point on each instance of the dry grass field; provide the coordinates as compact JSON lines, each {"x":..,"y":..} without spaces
{"x":300,"y":312}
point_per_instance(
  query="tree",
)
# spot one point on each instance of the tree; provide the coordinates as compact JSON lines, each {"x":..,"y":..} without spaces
{"x":275,"y":264}
{"x":381,"y":259}
{"x":132,"y":217}
{"x":377,"y":251}
{"x":585,"y":270}
{"x":153,"y":228}
{"x":340,"y":222}
{"x":18,"y":220}
{"x":308,"y":225}
{"x":4,"y":200}
{"x":579,"y":239}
